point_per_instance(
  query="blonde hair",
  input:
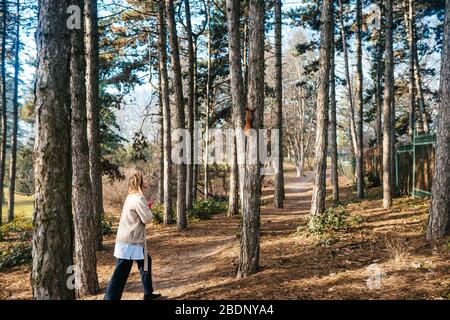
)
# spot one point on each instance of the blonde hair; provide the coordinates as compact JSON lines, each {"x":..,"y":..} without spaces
{"x":136,"y":183}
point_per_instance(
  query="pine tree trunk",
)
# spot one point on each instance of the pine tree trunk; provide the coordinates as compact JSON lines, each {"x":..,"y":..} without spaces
{"x":191,"y":106}
{"x":249,"y":245}
{"x":388,"y":109}
{"x":195,"y":157}
{"x":348,"y":81}
{"x":83,"y":211}
{"x":238,"y":101}
{"x":161,"y":143}
{"x":3,"y":121}
{"x":333,"y":128}
{"x":439,"y":223}
{"x":279,"y":177}
{"x":179,"y":103}
{"x":425,"y":118}
{"x":323,"y":94}
{"x":168,"y":211}
{"x":233,"y":198}
{"x":208,"y":100}
{"x":52,"y":217}
{"x":93,"y":114}
{"x":12,"y":165}
{"x":359,"y":104}
{"x":411,"y":88}
{"x":379,"y":91}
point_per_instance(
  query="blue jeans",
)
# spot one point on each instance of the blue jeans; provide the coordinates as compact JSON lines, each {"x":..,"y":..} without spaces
{"x":120,"y":277}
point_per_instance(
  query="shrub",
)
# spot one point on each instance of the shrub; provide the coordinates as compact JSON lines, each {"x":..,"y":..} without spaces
{"x":158,"y":213}
{"x":206,"y":209}
{"x":371,"y":180}
{"x":334,"y":219}
{"x":107,"y":223}
{"x":15,"y":256}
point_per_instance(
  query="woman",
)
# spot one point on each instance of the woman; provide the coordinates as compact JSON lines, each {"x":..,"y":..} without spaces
{"x":131,"y":242}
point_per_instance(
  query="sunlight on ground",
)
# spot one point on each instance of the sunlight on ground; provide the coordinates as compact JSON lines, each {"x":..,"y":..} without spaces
{"x":23,"y":207}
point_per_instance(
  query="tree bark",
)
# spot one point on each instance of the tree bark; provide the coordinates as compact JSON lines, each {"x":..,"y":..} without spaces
{"x":379,"y":93}
{"x":238,"y":101}
{"x":333,"y":126}
{"x":15,"y":111}
{"x":52,"y":217}
{"x":425,"y":118}
{"x":83,"y":212}
{"x":359,"y":104}
{"x":161,"y":143}
{"x":279,"y":177}
{"x":191,"y":106}
{"x":179,"y":103}
{"x":439,"y":222}
{"x":93,"y":114}
{"x":208,"y":100}
{"x":323,"y":94}
{"x":3,"y":121}
{"x":249,"y":245}
{"x":388,"y":108}
{"x":348,"y":81}
{"x":411,"y":87}
{"x":168,"y":213}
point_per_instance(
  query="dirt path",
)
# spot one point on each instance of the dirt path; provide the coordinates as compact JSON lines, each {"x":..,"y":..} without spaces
{"x":200,"y":263}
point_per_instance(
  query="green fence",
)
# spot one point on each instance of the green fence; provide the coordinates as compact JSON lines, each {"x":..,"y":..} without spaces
{"x":414,"y":166}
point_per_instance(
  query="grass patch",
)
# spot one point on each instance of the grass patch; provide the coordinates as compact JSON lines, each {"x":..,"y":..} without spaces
{"x":23,"y":207}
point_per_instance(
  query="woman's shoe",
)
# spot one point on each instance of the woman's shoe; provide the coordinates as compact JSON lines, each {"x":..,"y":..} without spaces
{"x":152,"y":296}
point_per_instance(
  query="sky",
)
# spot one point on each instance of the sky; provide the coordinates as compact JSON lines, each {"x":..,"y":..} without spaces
{"x":130,"y":116}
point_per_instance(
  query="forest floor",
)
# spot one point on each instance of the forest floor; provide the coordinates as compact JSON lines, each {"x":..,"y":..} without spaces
{"x":383,"y":256}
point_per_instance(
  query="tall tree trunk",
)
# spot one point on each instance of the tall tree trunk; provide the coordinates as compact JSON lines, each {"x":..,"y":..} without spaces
{"x":249,"y":245}
{"x":425,"y":118}
{"x":333,"y":125}
{"x":12,"y":165}
{"x":379,"y":91}
{"x":238,"y":101}
{"x":388,"y":108}
{"x":191,"y":106}
{"x":161,"y":143}
{"x":93,"y":114}
{"x":168,"y":211}
{"x":279,"y":177}
{"x":359,"y":104}
{"x":3,"y":121}
{"x":179,"y":103}
{"x":195,"y":157}
{"x":208,"y":100}
{"x":323,"y":94}
{"x":439,"y":223}
{"x":412,"y":95}
{"x":84,"y":217}
{"x":52,"y":216}
{"x":348,"y":80}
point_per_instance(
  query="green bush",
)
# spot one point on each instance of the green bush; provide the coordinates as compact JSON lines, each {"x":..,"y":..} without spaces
{"x":15,"y":256}
{"x":334,"y":219}
{"x":107,"y":226}
{"x":206,"y":209}
{"x":158,"y":213}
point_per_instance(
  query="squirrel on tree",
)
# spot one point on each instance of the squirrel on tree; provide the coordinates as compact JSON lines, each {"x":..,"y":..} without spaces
{"x":248,"y":120}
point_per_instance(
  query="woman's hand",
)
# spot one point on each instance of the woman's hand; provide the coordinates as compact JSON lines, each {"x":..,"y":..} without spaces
{"x":150,"y":204}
